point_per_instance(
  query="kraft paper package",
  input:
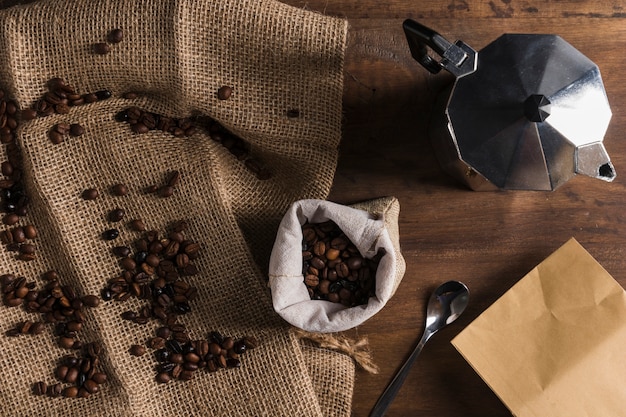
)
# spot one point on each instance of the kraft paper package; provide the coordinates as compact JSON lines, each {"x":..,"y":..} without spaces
{"x":553,"y":345}
{"x":285,"y":68}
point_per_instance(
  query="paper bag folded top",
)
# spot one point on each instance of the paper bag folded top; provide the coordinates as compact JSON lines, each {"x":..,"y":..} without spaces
{"x":555,"y":343}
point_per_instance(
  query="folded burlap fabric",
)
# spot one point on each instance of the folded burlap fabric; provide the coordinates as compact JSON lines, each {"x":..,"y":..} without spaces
{"x":285,"y":68}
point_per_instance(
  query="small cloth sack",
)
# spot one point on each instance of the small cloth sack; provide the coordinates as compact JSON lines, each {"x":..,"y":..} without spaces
{"x":370,"y":226}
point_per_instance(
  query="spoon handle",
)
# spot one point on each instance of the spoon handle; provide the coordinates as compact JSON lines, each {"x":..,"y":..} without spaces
{"x":394,"y":386}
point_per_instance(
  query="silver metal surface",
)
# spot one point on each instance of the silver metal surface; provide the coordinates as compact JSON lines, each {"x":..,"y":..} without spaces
{"x":445,"y":305}
{"x":531,"y":114}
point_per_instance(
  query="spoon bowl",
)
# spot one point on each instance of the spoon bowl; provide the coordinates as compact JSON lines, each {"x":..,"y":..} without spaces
{"x":445,"y":305}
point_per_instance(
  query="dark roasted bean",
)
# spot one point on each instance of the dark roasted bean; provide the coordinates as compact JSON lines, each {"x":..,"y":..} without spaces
{"x":101,"y":48}
{"x":224,"y":92}
{"x":116,"y":215}
{"x":110,"y":234}
{"x":119,"y":189}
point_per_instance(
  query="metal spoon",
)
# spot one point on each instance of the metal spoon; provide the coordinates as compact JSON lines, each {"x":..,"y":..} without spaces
{"x":446,"y":303}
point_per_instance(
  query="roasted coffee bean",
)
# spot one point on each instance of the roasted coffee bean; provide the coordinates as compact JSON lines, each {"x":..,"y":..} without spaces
{"x":99,"y":378}
{"x":137,"y":350}
{"x":30,"y":231}
{"x":90,"y":194}
{"x":91,"y":386}
{"x":90,"y":300}
{"x":166,"y":191}
{"x":116,"y":215}
{"x":156,"y":343}
{"x":40,"y":388}
{"x":18,"y":234}
{"x":55,"y":390}
{"x":70,"y":392}
{"x":173,"y":178}
{"x":28,"y":114}
{"x":103,"y":94}
{"x":27,"y":249}
{"x":128,"y":264}
{"x":56,"y":137}
{"x":119,"y":189}
{"x":110,"y":234}
{"x":224,"y":92}
{"x":121,"y":251}
{"x":101,"y":48}
{"x":76,"y":130}
{"x":138,"y":225}
{"x":10,"y":219}
{"x":163,"y":378}
{"x":37,"y":328}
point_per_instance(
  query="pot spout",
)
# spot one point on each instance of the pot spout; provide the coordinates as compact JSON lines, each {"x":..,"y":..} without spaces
{"x":593,"y":160}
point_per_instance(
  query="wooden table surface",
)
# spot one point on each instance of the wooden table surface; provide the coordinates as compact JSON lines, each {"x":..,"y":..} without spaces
{"x":489,"y":240}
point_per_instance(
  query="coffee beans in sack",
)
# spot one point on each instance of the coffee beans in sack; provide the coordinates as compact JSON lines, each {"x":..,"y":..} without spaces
{"x":333,"y":266}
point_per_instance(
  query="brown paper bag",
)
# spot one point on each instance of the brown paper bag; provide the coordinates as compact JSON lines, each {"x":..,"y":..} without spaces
{"x":554,"y":344}
{"x":176,"y":55}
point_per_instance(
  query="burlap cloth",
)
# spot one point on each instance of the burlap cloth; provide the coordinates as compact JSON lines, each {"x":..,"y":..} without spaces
{"x":176,"y":54}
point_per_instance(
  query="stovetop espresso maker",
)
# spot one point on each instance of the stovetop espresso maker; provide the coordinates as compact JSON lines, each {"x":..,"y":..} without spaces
{"x":527,"y":112}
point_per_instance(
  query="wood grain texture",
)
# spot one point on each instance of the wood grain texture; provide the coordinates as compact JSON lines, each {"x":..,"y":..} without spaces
{"x":488,"y":240}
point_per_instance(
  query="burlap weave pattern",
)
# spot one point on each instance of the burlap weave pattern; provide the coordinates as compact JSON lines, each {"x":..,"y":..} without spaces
{"x":176,"y":54}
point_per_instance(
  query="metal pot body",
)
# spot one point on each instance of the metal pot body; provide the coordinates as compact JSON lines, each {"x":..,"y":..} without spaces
{"x":528,"y":112}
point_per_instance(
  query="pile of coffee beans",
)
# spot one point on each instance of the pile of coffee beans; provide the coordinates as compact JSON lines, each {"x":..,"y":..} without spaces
{"x":333,"y":268}
{"x":180,"y":360}
{"x":60,"y":130}
{"x":12,"y":193}
{"x":58,"y":304}
{"x":152,"y":270}
{"x":142,"y":121}
{"x":79,"y":376}
{"x":62,"y":306}
{"x":19,"y":238}
{"x":59,"y":98}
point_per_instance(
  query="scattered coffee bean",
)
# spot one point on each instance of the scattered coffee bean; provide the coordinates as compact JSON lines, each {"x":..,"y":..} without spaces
{"x":90,"y":194}
{"x":224,"y":92}
{"x":121,"y":251}
{"x":138,"y":225}
{"x":119,"y":189}
{"x":101,"y":48}
{"x":116,"y":215}
{"x":30,"y":231}
{"x":28,"y":114}
{"x":137,"y":350}
{"x":76,"y":129}
{"x":110,"y":234}
{"x":115,"y":36}
{"x":10,"y":219}
{"x":166,"y":191}
{"x":292,"y":113}
{"x":40,"y":388}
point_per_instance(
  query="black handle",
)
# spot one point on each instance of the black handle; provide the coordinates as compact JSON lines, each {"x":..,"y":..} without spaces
{"x":419,"y":37}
